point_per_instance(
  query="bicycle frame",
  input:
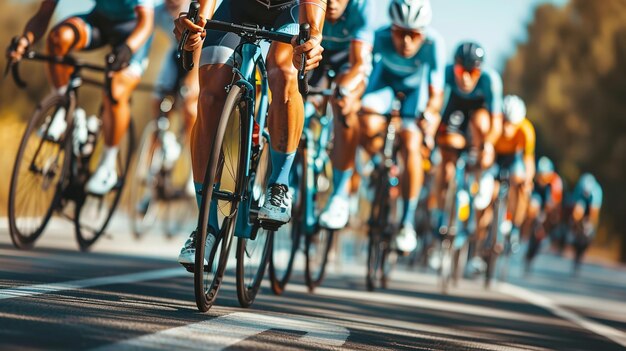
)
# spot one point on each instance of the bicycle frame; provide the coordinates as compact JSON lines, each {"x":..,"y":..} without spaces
{"x":251,"y":58}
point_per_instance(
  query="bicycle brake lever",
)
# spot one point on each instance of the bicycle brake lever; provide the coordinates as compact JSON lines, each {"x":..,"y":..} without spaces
{"x":303,"y":37}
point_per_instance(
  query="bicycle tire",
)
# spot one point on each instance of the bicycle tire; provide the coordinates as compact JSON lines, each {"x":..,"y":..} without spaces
{"x":19,"y":237}
{"x":246,"y":293}
{"x":86,"y":232}
{"x":378,"y":223}
{"x":315,"y":267}
{"x":143,"y":219}
{"x":206,"y":294}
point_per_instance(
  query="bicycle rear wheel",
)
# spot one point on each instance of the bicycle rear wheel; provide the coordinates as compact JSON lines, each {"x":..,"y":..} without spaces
{"x":223,"y":183}
{"x":39,"y":172}
{"x":378,"y":223}
{"x":94,"y":212}
{"x":286,"y":240}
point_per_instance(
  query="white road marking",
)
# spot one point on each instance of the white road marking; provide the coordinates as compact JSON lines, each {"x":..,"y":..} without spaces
{"x":39,"y":289}
{"x":222,"y":332}
{"x":606,"y":331}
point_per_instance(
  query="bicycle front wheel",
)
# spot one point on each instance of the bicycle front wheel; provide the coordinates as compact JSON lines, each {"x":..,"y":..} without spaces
{"x":223,"y":184}
{"x":39,"y":171}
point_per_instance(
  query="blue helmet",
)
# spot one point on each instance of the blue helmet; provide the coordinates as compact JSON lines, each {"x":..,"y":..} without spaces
{"x":587,"y":183}
{"x":545,"y":165}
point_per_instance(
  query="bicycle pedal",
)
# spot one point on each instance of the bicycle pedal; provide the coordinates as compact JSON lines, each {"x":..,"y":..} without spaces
{"x":191,"y":268}
{"x":270,"y":225}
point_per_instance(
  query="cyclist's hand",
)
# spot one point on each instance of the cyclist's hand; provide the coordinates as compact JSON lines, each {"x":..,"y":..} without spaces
{"x":196,"y":31}
{"x":120,"y":57}
{"x":17,"y":48}
{"x":313,"y":49}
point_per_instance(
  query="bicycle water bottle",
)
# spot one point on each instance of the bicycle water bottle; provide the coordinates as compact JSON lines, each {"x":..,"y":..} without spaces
{"x":93,"y":127}
{"x":79,"y":134}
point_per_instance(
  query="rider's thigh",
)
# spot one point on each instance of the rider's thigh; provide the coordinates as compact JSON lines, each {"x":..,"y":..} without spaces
{"x":213,"y":79}
{"x":70,"y":34}
{"x":410,"y":137}
{"x":480,"y":120}
{"x":123,"y":83}
{"x":282,"y":75}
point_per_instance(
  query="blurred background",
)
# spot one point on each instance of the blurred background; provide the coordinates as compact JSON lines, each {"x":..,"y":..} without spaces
{"x":566,"y":58}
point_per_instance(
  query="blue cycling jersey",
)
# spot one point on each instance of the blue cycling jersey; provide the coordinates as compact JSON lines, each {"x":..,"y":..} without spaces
{"x":119,"y":10}
{"x":427,"y":66}
{"x":592,"y":198}
{"x":354,"y":24}
{"x":489,"y":88}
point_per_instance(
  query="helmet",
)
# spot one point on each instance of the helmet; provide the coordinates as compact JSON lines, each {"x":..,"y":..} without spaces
{"x":411,"y":14}
{"x":545,"y":166}
{"x":514,"y":109}
{"x":469,"y":55}
{"x":587,"y":183}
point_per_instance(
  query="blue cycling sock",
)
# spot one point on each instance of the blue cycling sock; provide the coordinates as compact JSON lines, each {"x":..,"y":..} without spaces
{"x":212,"y":209}
{"x":281,"y":166}
{"x":408,"y":211}
{"x":340,"y":182}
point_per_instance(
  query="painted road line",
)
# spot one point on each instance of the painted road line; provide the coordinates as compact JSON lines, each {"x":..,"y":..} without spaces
{"x":39,"y":289}
{"x":606,"y":331}
{"x":224,"y":331}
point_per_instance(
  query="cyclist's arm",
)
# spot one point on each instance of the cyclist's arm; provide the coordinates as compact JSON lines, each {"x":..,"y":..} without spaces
{"x":432,"y":113}
{"x":360,"y":67}
{"x":313,"y":13}
{"x":38,"y":24}
{"x":529,"y":151}
{"x":196,"y":31}
{"x":143,"y":29}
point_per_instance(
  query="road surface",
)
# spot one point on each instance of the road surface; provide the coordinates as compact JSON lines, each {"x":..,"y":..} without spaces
{"x":129,"y":294}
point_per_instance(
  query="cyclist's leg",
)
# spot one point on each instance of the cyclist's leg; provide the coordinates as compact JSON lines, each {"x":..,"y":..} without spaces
{"x":479,"y":126}
{"x":285,"y":118}
{"x":67,"y":36}
{"x":518,"y":198}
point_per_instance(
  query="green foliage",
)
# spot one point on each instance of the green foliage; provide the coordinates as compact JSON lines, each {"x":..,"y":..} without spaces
{"x":572,"y":73}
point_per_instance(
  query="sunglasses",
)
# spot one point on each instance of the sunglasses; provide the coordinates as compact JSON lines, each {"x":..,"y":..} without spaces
{"x":401,"y":32}
{"x":459,"y":70}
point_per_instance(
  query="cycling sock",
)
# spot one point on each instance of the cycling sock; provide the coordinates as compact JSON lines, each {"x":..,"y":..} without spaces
{"x":109,"y":157}
{"x":340,"y":182}
{"x":408,"y":211}
{"x":212,"y":210}
{"x":281,"y":166}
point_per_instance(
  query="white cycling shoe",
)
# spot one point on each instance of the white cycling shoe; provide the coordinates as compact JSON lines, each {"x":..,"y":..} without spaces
{"x":187,"y":256}
{"x":102,"y":181}
{"x":406,"y":240}
{"x":336,"y":214}
{"x":277,"y":206}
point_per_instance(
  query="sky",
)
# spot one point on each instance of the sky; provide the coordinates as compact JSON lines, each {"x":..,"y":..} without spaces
{"x":498,"y":25}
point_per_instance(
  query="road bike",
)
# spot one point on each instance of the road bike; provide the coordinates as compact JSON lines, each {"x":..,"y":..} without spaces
{"x":51,"y":169}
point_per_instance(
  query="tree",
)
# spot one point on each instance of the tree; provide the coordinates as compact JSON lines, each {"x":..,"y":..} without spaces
{"x":572,"y":73}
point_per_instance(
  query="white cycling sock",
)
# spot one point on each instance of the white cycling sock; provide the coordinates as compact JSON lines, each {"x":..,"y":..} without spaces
{"x":109,"y":157}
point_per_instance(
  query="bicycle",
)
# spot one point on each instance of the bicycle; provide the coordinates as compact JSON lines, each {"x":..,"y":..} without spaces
{"x":381,"y":257}
{"x":159,"y":186}
{"x":54,"y":170}
{"x":457,"y":222}
{"x":498,"y":240}
{"x":236,"y":173}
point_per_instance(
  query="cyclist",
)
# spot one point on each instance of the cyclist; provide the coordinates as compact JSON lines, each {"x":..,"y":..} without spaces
{"x":126,"y":25}
{"x":544,"y":211}
{"x":172,"y":78}
{"x":410,"y":61}
{"x":473,"y":113}
{"x":286,"y":111}
{"x":587,"y":201}
{"x":515,"y":152}
{"x":348,"y":42}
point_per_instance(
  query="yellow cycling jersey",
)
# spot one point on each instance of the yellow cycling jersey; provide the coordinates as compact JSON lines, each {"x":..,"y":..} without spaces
{"x":522,"y":141}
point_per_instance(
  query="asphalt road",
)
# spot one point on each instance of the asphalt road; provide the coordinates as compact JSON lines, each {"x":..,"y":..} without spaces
{"x":128,"y":294}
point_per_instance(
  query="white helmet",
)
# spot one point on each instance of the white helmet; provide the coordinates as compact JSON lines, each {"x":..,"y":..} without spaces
{"x":411,"y":14}
{"x":514,"y":109}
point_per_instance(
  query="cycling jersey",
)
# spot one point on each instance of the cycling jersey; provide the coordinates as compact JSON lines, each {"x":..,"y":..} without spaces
{"x":354,"y":24}
{"x":119,"y":10}
{"x":219,"y":47}
{"x":592,"y":199}
{"x":513,"y":163}
{"x":412,"y":76}
{"x":522,"y":141}
{"x":552,"y":192}
{"x":461,"y":106}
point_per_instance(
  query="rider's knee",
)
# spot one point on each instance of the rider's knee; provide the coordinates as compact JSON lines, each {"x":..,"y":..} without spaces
{"x":411,"y":143}
{"x":283,"y":80}
{"x":64,"y":37}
